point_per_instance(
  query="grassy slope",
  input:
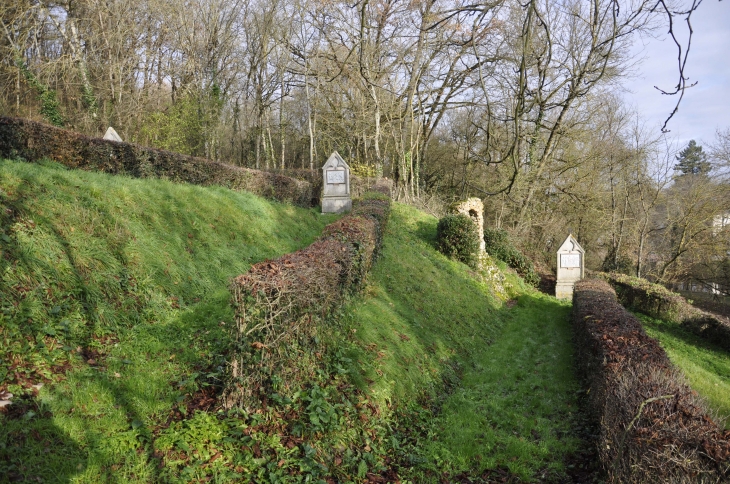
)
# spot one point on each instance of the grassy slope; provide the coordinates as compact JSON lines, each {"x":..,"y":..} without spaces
{"x":706,"y":366}
{"x":424,"y":320}
{"x":459,"y":382}
{"x":134,"y":274}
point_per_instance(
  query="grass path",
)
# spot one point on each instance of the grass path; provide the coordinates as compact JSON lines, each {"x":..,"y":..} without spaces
{"x":515,"y":405}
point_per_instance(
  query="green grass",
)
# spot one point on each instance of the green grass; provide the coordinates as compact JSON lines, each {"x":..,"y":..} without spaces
{"x":515,"y":407}
{"x":707,"y":367}
{"x":477,"y":384}
{"x":85,"y":255}
{"x":427,"y":372}
{"x":419,"y":312}
{"x":134,"y":274}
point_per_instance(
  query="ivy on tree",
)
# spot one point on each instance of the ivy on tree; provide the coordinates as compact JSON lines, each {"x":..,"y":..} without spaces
{"x":692,"y":160}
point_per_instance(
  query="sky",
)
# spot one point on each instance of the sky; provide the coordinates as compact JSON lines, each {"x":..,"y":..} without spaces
{"x":706,"y":106}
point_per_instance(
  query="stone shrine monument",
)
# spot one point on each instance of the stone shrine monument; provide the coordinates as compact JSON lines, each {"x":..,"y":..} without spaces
{"x":336,"y":185}
{"x":570,"y":267}
{"x":474,"y":209}
{"x":112,"y":135}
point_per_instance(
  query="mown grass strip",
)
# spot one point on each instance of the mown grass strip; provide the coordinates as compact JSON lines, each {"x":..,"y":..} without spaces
{"x":516,"y":403}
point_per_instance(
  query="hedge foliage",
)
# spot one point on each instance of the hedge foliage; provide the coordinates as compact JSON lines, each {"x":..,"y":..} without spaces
{"x":659,"y":302}
{"x":33,"y":141}
{"x":653,"y":427}
{"x":499,"y":245}
{"x":457,"y":237}
{"x":280,"y":303}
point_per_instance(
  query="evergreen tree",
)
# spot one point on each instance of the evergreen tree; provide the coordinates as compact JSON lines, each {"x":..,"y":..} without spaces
{"x":692,"y":160}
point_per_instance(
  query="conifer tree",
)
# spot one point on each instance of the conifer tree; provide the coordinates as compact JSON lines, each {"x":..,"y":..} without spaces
{"x":692,"y":160}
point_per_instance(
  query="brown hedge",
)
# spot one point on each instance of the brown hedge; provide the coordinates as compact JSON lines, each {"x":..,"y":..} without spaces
{"x":279,"y":303}
{"x":653,"y":427}
{"x":33,"y":141}
{"x":661,"y":303}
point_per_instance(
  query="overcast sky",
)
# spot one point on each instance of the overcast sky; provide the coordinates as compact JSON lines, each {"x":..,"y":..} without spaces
{"x":706,"y":106}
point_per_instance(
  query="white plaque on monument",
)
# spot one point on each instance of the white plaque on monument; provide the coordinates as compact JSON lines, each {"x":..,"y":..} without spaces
{"x":335,"y":177}
{"x":569,"y":261}
{"x":336,"y":187}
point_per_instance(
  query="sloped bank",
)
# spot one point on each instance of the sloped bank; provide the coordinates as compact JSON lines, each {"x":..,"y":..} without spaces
{"x":653,"y":427}
{"x":33,"y":141}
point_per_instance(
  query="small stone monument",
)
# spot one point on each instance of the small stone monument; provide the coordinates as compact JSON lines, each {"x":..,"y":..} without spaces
{"x":474,"y":209}
{"x":570,"y":267}
{"x":336,"y":186}
{"x":112,"y":135}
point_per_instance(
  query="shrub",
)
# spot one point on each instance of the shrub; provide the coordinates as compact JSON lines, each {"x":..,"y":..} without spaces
{"x":457,"y":237}
{"x":659,"y":302}
{"x":278,"y":304}
{"x":653,"y":427}
{"x":498,"y":244}
{"x":32,"y":141}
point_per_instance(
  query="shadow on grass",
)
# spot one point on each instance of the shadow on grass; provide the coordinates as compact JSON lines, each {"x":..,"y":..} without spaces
{"x":685,"y":336}
{"x":158,"y":363}
{"x":115,"y":436}
{"x":34,"y":449}
{"x":58,"y":443}
{"x":425,"y":231}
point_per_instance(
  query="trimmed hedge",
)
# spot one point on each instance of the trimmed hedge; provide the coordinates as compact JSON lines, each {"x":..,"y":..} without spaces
{"x":653,"y":427}
{"x":278,"y":304}
{"x":659,"y":302}
{"x":33,"y":141}
{"x":498,"y":244}
{"x":457,"y":236}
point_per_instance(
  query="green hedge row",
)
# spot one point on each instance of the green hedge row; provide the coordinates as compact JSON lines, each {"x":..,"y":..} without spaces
{"x":33,"y":141}
{"x":653,"y":427}
{"x":661,"y":303}
{"x":278,"y":304}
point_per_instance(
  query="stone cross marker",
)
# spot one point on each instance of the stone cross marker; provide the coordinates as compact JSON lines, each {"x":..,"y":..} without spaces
{"x":112,"y":135}
{"x":570,"y":267}
{"x":336,"y":186}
